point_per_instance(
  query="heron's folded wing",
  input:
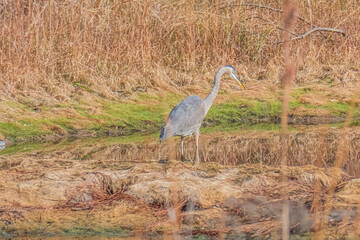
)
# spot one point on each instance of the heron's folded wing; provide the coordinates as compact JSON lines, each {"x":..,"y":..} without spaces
{"x":187,"y":116}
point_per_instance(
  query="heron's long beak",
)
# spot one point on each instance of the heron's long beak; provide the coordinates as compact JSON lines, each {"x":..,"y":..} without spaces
{"x":236,"y":77}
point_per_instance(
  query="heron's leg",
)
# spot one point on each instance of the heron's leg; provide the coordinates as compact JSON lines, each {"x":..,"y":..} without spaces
{"x":182,"y":147}
{"x":197,"y":159}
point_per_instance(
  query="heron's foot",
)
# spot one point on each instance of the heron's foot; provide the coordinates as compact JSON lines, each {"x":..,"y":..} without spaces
{"x":185,"y":160}
{"x":163,"y":160}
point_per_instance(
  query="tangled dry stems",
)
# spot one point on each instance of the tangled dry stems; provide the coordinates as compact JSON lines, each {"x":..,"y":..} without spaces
{"x":53,"y":51}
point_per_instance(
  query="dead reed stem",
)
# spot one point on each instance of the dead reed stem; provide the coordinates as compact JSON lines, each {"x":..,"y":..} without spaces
{"x":316,"y":206}
{"x":173,"y":210}
{"x":288,"y":80}
{"x":339,"y":162}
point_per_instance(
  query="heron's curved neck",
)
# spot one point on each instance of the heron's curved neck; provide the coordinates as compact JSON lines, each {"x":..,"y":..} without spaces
{"x":208,"y":101}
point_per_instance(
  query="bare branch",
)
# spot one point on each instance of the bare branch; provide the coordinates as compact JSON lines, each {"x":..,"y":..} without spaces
{"x":275,"y":10}
{"x":320,"y":29}
{"x":314,"y":30}
{"x":272,"y":9}
{"x":255,"y":5}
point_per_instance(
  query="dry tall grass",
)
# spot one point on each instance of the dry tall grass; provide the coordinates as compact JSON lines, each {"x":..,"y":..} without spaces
{"x":112,"y":47}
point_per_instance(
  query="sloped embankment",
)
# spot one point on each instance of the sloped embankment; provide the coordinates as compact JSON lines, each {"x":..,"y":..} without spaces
{"x":43,"y":196}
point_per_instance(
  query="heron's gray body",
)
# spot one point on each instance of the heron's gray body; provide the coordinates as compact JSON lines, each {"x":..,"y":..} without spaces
{"x":185,"y":119}
{"x":192,"y":112}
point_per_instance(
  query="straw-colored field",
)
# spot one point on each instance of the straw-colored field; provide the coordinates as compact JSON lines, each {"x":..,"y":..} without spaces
{"x":53,"y":51}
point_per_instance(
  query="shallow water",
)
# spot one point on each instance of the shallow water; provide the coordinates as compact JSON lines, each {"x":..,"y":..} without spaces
{"x":2,"y":145}
{"x":318,"y":146}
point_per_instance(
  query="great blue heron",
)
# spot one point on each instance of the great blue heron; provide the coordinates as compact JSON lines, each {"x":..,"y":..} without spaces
{"x":186,"y":117}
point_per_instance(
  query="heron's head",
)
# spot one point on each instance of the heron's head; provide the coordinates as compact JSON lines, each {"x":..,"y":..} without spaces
{"x":233,"y":74}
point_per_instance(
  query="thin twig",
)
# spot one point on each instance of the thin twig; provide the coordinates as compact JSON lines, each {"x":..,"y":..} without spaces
{"x":276,"y":26}
{"x":255,"y":5}
{"x":315,"y":30}
{"x":272,"y":9}
{"x":275,"y":10}
{"x":320,"y":29}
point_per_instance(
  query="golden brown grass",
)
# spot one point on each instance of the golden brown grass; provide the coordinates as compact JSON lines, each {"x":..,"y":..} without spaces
{"x":242,"y":199}
{"x":53,"y":50}
{"x":49,"y":49}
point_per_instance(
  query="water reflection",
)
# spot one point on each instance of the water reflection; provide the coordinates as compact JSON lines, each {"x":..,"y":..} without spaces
{"x":317,"y":146}
{"x":2,"y":145}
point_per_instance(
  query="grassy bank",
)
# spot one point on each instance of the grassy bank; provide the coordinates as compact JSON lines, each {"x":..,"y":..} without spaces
{"x":145,"y":114}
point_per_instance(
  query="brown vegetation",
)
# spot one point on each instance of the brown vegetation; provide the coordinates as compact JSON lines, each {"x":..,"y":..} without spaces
{"x":53,"y":49}
{"x":52,"y":196}
{"x":237,"y":190}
